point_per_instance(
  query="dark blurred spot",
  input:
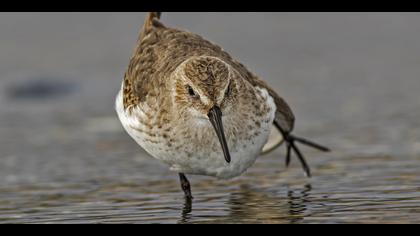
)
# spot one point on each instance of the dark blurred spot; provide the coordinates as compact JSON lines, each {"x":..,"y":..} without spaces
{"x":40,"y":88}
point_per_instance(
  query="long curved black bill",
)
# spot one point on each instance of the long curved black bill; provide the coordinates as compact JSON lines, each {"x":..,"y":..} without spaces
{"x":215,"y":117}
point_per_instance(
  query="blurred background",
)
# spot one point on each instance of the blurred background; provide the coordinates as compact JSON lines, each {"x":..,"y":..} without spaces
{"x":352,"y":80}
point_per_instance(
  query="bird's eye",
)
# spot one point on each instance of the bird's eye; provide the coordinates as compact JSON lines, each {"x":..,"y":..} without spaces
{"x":191,"y":92}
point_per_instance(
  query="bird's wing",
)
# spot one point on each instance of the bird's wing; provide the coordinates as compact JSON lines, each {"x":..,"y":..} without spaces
{"x":284,"y":115}
{"x":284,"y":119}
{"x":143,"y":66}
{"x":158,"y":43}
{"x":150,"y":24}
{"x":159,"y":51}
{"x":283,"y":122}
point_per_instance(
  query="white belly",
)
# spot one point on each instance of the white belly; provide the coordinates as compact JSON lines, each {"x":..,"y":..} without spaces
{"x":202,"y":154}
{"x":209,"y":159}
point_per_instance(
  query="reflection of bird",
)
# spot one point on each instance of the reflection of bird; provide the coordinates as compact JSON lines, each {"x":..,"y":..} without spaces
{"x":251,"y":205}
{"x":188,"y":103}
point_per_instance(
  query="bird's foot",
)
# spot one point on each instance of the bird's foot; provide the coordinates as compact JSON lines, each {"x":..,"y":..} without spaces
{"x":291,"y":145}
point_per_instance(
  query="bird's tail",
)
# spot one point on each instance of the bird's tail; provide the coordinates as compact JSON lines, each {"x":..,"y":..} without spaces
{"x":151,"y":21}
{"x":151,"y":16}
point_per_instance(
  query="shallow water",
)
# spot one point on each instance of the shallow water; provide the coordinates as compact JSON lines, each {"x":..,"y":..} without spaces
{"x":352,"y":80}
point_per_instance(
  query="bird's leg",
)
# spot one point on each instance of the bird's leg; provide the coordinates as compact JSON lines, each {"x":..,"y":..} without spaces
{"x":185,"y":185}
{"x":290,"y":145}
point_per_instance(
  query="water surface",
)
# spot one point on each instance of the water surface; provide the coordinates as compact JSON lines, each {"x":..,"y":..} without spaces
{"x":352,"y":80}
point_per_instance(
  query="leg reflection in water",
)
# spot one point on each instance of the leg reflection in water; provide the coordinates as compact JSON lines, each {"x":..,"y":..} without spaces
{"x":298,"y":200}
{"x":252,"y":205}
{"x":186,"y":211}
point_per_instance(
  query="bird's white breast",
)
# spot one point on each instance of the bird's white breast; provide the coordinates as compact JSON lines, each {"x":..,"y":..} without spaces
{"x":201,"y":154}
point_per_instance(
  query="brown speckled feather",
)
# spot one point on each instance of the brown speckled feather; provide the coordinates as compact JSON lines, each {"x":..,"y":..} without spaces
{"x":161,"y":49}
{"x":188,"y":103}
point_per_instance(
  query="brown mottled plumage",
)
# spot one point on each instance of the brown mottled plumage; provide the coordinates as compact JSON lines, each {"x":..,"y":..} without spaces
{"x":177,"y":82}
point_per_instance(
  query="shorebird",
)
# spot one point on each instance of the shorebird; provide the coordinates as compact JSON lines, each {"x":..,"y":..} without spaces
{"x":191,"y":105}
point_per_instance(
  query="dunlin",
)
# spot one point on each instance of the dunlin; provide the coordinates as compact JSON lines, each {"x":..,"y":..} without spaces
{"x":190,"y":104}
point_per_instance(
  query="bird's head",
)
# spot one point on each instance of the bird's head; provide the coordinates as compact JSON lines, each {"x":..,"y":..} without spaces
{"x":205,"y":90}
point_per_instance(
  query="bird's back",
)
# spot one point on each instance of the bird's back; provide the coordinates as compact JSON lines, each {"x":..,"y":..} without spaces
{"x":161,"y":49}
{"x":158,"y":53}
